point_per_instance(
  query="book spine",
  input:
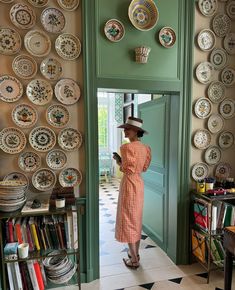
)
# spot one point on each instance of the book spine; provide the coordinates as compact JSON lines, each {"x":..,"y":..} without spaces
{"x":32,"y":275}
{"x":23,"y":276}
{"x":38,"y":275}
{"x":27,"y":276}
{"x":75,"y":230}
{"x":43,"y":273}
{"x":18,"y":276}
{"x":29,"y":238}
{"x":10,"y":275}
{"x":35,"y":237}
{"x":10,"y":229}
{"x":18,"y":233}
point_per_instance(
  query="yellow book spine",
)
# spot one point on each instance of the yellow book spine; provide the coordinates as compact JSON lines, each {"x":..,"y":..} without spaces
{"x":35,"y":237}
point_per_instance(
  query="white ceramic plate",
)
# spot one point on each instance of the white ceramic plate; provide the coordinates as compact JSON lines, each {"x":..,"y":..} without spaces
{"x":56,"y":159}
{"x":69,"y":5}
{"x":226,"y":108}
{"x":200,"y":171}
{"x":221,"y":25}
{"x":167,"y":37}
{"x":230,"y":8}
{"x":226,"y":140}
{"x":215,"y":123}
{"x":202,"y":139}
{"x":218,"y":58}
{"x":228,"y":76}
{"x":44,"y":179}
{"x":22,"y":16}
{"x":208,"y":8}
{"x":212,"y":155}
{"x":39,"y":92}
{"x":24,"y":116}
{"x":29,"y":161}
{"x":38,"y":3}
{"x":70,"y":177}
{"x":69,"y":139}
{"x":114,"y":30}
{"x":202,"y":108}
{"x":216,"y":92}
{"x":42,"y":139}
{"x":52,"y":20}
{"x":229,"y":43}
{"x":206,"y":39}
{"x":51,"y":68}
{"x":68,"y":46}
{"x":24,"y":66}
{"x":11,"y":89}
{"x":204,"y":72}
{"x":17,"y":176}
{"x":12,"y":140}
{"x":57,"y":116}
{"x":37,"y":43}
{"x":223,"y":170}
{"x":67,"y":91}
{"x":10,"y":41}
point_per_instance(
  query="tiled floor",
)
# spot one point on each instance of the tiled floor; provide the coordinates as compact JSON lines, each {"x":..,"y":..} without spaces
{"x":157,"y":271}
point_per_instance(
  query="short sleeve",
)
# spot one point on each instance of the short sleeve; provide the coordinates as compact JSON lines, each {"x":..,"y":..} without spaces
{"x":128,"y":159}
{"x":148,"y":159}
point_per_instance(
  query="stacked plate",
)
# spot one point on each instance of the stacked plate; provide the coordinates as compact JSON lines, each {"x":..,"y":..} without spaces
{"x":12,"y":195}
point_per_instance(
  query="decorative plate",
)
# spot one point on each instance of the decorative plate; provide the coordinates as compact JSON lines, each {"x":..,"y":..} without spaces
{"x":39,"y":92}
{"x":11,"y":89}
{"x":24,"y":66}
{"x":12,"y":140}
{"x":218,"y":58}
{"x":69,"y":5}
{"x":67,"y":91}
{"x":230,"y":8}
{"x":204,"y":72}
{"x":6,"y":1}
{"x":203,"y":108}
{"x":69,"y":139}
{"x":229,"y":43}
{"x":10,"y":41}
{"x":212,"y":155}
{"x":70,"y":177}
{"x":202,"y":139}
{"x":206,"y":39}
{"x":223,"y":170}
{"x":226,"y":108}
{"x":37,"y":43}
{"x":29,"y":161}
{"x":216,"y":92}
{"x":16,"y":176}
{"x":51,"y":69}
{"x":56,"y":159}
{"x":24,"y":116}
{"x":226,"y":139}
{"x":68,"y":46}
{"x":114,"y":30}
{"x":143,"y":14}
{"x":167,"y":37}
{"x":208,"y":8}
{"x":221,"y":25}
{"x":215,"y":123}
{"x":57,"y":116}
{"x":38,"y":3}
{"x":228,"y":76}
{"x":22,"y":16}
{"x":200,"y":171}
{"x":42,"y":139}
{"x":53,"y":20}
{"x":44,"y":179}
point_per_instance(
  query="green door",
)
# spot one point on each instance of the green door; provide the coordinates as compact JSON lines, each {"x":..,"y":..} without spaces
{"x":160,"y":209}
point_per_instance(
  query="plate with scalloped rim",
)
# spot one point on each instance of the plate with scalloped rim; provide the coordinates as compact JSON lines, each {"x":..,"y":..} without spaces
{"x":227,"y":109}
{"x":11,"y":89}
{"x":221,"y":24}
{"x":223,"y":170}
{"x":24,"y":66}
{"x":39,"y":92}
{"x":212,"y":155}
{"x":114,"y":30}
{"x":202,"y":139}
{"x":67,"y":91}
{"x":37,"y":43}
{"x":208,"y":8}
{"x":228,"y":76}
{"x":70,"y":139}
{"x":10,"y":41}
{"x":52,"y":20}
{"x":202,"y":108}
{"x":70,"y":177}
{"x":24,"y":116}
{"x":226,"y":140}
{"x":44,"y":179}
{"x":68,"y":5}
{"x":204,"y":72}
{"x":12,"y":140}
{"x":200,"y":171}
{"x":216,"y":92}
{"x":57,"y":115}
{"x":42,"y":139}
{"x":68,"y":46}
{"x":218,"y":58}
{"x":38,"y":3}
{"x":215,"y":123}
{"x":230,"y":9}
{"x":206,"y":39}
{"x":229,"y":43}
{"x":22,"y":16}
{"x":56,"y":159}
{"x":51,"y":69}
{"x":29,"y":161}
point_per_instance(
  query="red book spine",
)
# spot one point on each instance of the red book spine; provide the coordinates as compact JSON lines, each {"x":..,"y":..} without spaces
{"x":38,"y":275}
{"x":18,"y":233}
{"x":29,"y":238}
{"x":11,"y":232}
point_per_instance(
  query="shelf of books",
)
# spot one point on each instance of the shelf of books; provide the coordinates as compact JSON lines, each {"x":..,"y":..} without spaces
{"x":211,"y":214}
{"x":52,"y":258}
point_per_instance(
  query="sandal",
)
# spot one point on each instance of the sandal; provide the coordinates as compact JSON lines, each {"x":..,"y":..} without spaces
{"x":129,"y":256}
{"x":130,"y":264}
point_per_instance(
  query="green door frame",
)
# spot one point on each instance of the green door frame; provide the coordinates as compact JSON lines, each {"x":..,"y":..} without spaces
{"x":91,"y":85}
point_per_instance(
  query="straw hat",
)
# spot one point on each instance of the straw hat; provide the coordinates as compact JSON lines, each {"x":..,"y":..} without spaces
{"x":134,"y":123}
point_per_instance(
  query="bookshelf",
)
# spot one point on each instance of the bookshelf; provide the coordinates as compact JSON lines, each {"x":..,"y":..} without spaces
{"x":51,"y":245}
{"x":210,"y":215}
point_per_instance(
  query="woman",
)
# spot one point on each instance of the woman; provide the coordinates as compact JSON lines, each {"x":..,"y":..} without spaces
{"x":135,"y":158}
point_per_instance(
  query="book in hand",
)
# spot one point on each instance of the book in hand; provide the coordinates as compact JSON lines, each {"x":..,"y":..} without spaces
{"x":42,"y":206}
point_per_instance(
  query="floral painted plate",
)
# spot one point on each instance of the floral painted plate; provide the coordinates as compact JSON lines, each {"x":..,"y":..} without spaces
{"x":42,"y":139}
{"x":37,"y":43}
{"x":200,"y":171}
{"x":39,"y":92}
{"x":216,"y":92}
{"x":68,"y":46}
{"x":114,"y":30}
{"x":206,"y":40}
{"x":57,"y":116}
{"x":208,"y":8}
{"x":204,"y":72}
{"x":226,"y":108}
{"x":229,"y":43}
{"x":70,"y":177}
{"x":11,"y":89}
{"x":24,"y":66}
{"x":226,"y":140}
{"x":56,"y":159}
{"x":38,"y":3}
{"x":22,"y":16}
{"x":167,"y":37}
{"x":29,"y":161}
{"x":10,"y":41}
{"x":53,"y":20}
{"x":24,"y":116}
{"x":17,"y":176}
{"x":69,"y":5}
{"x":12,"y":140}
{"x":221,"y":25}
{"x":51,"y":69}
{"x":70,"y":139}
{"x":223,"y":170}
{"x":212,"y":155}
{"x":230,"y":9}
{"x":228,"y":76}
{"x":202,"y":108}
{"x":67,"y":91}
{"x":202,"y":139}
{"x":215,"y":123}
{"x":44,"y":179}
{"x":218,"y":58}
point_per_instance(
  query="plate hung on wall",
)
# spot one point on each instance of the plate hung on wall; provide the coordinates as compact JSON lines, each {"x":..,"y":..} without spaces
{"x":24,"y":66}
{"x":57,"y":116}
{"x":10,"y":41}
{"x":223,"y":170}
{"x":22,"y":16}
{"x":212,"y":155}
{"x":202,"y":139}
{"x":200,"y":171}
{"x":69,"y":139}
{"x":44,"y":179}
{"x":167,"y":37}
{"x":12,"y":140}
{"x":226,"y":108}
{"x":29,"y":161}
{"x":218,"y":58}
{"x":226,"y":140}
{"x":11,"y":89}
{"x":215,"y":123}
{"x":221,"y":25}
{"x":38,"y":3}
{"x":24,"y":116}
{"x":228,"y":76}
{"x":52,"y":20}
{"x":208,"y":8}
{"x":202,"y":108}
{"x":68,"y":46}
{"x":114,"y":30}
{"x":42,"y":139}
{"x":229,"y":43}
{"x":67,"y":91}
{"x":56,"y":159}
{"x":206,"y":39}
{"x":39,"y":92}
{"x":37,"y":43}
{"x":230,"y":9}
{"x":204,"y":72}
{"x":70,"y":177}
{"x":216,"y":92}
{"x":51,"y":69}
{"x":69,"y":5}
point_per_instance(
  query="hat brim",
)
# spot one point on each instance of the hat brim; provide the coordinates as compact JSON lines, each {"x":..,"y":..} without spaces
{"x":132,"y":127}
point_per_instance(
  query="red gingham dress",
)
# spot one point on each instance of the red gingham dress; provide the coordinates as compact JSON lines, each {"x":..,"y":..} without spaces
{"x":136,"y":158}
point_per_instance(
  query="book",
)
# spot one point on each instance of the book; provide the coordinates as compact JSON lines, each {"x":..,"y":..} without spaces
{"x":16,"y":272}
{"x":10,"y":251}
{"x":44,"y":207}
{"x":75,"y":230}
{"x":25,"y":272}
{"x":10,"y":275}
{"x":201,"y":216}
{"x":32,"y":275}
{"x":38,"y":275}
{"x":199,"y":246}
{"x":18,"y":231}
{"x":34,"y":233}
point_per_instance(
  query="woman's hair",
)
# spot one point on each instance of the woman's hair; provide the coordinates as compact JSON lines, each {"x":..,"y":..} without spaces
{"x":140,"y":134}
